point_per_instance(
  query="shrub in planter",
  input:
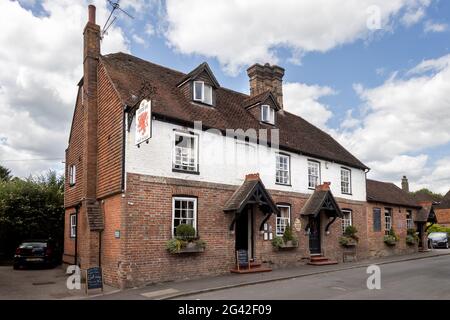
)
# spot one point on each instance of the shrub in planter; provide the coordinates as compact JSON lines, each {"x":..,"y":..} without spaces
{"x":391,"y":238}
{"x":174,"y":245}
{"x":349,"y":238}
{"x":289,"y":236}
{"x":185,"y":232}
{"x":277,"y":242}
{"x":411,"y":237}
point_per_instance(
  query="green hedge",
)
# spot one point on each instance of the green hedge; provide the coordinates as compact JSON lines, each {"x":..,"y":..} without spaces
{"x":438,"y":228}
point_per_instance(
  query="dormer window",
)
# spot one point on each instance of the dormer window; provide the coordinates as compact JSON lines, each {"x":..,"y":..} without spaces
{"x":202,"y":92}
{"x":267,"y":114}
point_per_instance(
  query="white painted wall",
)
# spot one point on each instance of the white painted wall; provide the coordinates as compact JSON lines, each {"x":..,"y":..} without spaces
{"x":222,"y":160}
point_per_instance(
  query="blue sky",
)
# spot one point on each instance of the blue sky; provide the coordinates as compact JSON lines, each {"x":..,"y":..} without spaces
{"x":341,"y":67}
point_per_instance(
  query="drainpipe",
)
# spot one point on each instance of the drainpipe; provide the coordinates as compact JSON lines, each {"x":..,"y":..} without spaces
{"x":77,"y":209}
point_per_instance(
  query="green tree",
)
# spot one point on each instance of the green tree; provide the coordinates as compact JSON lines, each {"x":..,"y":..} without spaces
{"x":5,"y":174}
{"x":31,"y":208}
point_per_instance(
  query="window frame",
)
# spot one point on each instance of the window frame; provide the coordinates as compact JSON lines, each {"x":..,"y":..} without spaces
{"x":72,"y":175}
{"x":271,"y":114}
{"x":196,"y":152}
{"x":349,"y":180}
{"x":409,"y":219}
{"x":391,"y":219}
{"x":73,"y":225}
{"x":281,"y":155}
{"x":202,"y":99}
{"x":318,"y":173}
{"x":283,"y":205}
{"x":344,"y":225}
{"x":195,"y":208}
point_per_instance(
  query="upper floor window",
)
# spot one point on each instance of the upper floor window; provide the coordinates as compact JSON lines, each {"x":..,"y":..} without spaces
{"x":72,"y":174}
{"x":184,"y":211}
{"x":346,"y":219}
{"x":346,"y":181}
{"x":267,"y":114}
{"x":387,"y":220}
{"x":185,"y":152}
{"x":202,"y":92}
{"x":313,"y":174}
{"x":409,"y":220}
{"x":282,"y":175}
{"x":283,"y":219}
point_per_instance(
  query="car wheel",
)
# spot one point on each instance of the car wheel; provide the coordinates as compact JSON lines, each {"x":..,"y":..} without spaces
{"x":446,"y":245}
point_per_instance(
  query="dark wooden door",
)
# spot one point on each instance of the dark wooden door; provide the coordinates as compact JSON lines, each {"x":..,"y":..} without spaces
{"x":241,"y":231}
{"x":314,"y":235}
{"x":420,"y":230}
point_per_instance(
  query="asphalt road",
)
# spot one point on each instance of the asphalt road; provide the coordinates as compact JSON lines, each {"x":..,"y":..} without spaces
{"x":417,"y":279}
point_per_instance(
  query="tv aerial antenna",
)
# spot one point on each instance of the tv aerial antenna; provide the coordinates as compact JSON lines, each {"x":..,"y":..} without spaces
{"x":115,"y":6}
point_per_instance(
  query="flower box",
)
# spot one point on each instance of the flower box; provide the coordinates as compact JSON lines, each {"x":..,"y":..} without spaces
{"x":288,"y":245}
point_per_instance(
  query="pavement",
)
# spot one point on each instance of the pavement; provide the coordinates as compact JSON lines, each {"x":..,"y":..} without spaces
{"x":187,"y":288}
{"x":51,"y":283}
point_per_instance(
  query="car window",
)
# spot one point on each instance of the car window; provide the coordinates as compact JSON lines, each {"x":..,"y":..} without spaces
{"x":34,"y":244}
{"x":437,"y":235}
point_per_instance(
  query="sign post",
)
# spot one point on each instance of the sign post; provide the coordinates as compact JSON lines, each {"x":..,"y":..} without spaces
{"x":143,"y":122}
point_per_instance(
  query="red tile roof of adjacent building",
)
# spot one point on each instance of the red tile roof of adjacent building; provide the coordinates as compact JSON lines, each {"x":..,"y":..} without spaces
{"x":389,"y":193}
{"x":129,"y":74}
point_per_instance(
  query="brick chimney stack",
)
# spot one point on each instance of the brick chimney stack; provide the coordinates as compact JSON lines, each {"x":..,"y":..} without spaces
{"x":266,"y":77}
{"x":91,"y":54}
{"x":405,"y":184}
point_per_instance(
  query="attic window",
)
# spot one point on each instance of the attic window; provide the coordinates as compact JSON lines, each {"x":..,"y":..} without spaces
{"x":267,"y":114}
{"x":202,"y":92}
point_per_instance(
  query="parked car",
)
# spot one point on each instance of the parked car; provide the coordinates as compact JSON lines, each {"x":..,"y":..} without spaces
{"x":438,"y":239}
{"x":36,"y":253}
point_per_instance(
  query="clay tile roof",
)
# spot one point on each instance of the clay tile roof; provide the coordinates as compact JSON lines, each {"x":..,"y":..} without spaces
{"x":445,"y":203}
{"x":129,"y":73}
{"x":426,"y":214}
{"x":260,"y":98}
{"x":389,"y":193}
{"x":194,"y":73}
{"x":317,"y":201}
{"x":423,"y":196}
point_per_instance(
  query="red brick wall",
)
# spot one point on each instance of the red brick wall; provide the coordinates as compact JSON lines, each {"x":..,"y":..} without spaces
{"x":69,"y":243}
{"x":443,"y":217}
{"x":147,"y":220}
{"x":376,"y":245}
{"x":110,"y":137}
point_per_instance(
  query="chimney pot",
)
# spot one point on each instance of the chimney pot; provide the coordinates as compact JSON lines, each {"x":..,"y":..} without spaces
{"x":266,"y":78}
{"x":92,"y":13}
{"x":405,"y":184}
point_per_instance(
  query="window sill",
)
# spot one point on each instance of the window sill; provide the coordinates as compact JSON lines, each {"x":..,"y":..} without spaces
{"x":309,"y":188}
{"x":202,"y":103}
{"x":186,"y":171}
{"x":283,"y":184}
{"x":71,"y":185}
{"x":347,"y":194}
{"x":264,"y":122}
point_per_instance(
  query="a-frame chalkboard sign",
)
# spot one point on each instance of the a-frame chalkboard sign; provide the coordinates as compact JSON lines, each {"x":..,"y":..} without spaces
{"x":94,"y":279}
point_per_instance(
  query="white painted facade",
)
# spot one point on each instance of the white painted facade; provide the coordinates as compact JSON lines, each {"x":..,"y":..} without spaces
{"x":227,"y":161}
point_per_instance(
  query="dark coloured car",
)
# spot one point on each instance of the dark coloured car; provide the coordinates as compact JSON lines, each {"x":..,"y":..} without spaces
{"x":438,"y":240}
{"x":36,"y":253}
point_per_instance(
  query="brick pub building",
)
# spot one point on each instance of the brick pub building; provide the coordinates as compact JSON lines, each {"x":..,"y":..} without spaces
{"x":123,"y":201}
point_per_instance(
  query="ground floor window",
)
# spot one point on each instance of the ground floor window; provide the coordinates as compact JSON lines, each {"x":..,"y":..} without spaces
{"x":283,"y":219}
{"x":73,"y":225}
{"x":184,"y":211}
{"x":409,"y":220}
{"x":387,"y":220}
{"x":346,"y":219}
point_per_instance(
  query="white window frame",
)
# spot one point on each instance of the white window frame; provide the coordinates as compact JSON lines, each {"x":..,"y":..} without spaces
{"x":270,"y":113}
{"x":315,"y":163}
{"x":346,"y":186}
{"x":72,"y":175}
{"x":282,"y":222}
{"x":194,"y":153}
{"x":278,"y":170}
{"x":194,"y":215}
{"x":346,"y":221}
{"x":387,"y":220}
{"x":409,"y":220}
{"x":73,"y":225}
{"x":203,"y":98}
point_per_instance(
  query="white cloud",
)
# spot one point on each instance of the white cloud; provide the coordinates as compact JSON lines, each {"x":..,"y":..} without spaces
{"x":41,"y":63}
{"x":138,"y":39}
{"x":256,"y":28}
{"x":411,"y":17}
{"x":149,"y":29}
{"x":406,"y":116}
{"x":303,"y":100}
{"x":431,"y":26}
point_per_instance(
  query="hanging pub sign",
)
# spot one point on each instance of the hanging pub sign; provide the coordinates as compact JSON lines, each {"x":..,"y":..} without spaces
{"x":143,"y":122}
